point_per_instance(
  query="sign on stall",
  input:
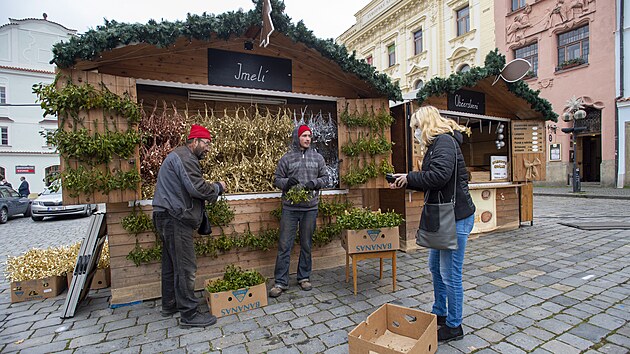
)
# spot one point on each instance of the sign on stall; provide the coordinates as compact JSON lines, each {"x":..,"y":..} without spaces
{"x":498,"y":168}
{"x":227,"y":68}
{"x":467,"y":101}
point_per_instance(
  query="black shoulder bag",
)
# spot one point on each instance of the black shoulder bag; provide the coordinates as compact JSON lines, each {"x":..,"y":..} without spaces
{"x":437,"y":224}
{"x":205,"y":228}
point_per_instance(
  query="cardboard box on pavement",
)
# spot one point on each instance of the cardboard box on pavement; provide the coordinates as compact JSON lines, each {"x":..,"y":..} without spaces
{"x":235,"y":301}
{"x":37,"y":289}
{"x":370,"y":240}
{"x":101,"y":279}
{"x":395,"y":329}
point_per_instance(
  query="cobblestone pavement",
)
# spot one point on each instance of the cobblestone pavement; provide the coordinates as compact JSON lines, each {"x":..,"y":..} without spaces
{"x":587,"y":190}
{"x":544,"y":288}
{"x":21,"y":234}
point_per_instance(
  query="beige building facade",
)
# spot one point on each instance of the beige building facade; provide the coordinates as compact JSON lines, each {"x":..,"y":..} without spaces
{"x":414,"y":41}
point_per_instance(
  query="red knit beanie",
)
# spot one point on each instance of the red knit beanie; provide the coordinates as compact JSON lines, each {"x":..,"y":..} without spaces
{"x":302,"y":129}
{"x":197,"y":131}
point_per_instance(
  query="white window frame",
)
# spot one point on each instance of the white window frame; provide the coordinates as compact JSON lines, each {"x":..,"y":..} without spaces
{"x":391,"y":56}
{"x":465,"y":19}
{"x":417,"y":51}
{"x":4,"y":128}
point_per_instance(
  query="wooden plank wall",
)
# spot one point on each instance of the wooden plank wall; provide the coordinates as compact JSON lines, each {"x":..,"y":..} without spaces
{"x":186,"y":61}
{"x":519,"y":170}
{"x":508,"y":208}
{"x":346,"y":134}
{"x":98,"y":121}
{"x":131,"y":283}
{"x":527,"y":202}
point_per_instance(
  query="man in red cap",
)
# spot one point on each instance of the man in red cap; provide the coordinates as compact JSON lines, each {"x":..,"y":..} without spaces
{"x":304,"y":168}
{"x":178,"y":207}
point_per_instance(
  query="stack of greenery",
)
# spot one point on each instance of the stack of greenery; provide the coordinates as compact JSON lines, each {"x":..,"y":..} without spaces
{"x":235,"y":278}
{"x":246,"y":145}
{"x":368,"y":129}
{"x":54,"y":261}
{"x":361,"y":219}
{"x":221,"y":215}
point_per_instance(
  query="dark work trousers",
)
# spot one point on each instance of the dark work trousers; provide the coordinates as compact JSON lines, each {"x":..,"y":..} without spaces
{"x":179,"y":264}
{"x":288,"y":228}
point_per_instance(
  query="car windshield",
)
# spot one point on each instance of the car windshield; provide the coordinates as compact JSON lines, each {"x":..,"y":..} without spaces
{"x":50,"y":191}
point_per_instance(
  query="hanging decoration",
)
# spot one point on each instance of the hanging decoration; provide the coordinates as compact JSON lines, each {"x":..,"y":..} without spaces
{"x":500,"y":136}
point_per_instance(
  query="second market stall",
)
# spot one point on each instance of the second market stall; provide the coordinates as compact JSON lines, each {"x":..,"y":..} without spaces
{"x":504,"y":148}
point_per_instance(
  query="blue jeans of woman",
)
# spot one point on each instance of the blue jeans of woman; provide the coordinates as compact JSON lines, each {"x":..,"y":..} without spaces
{"x":289,"y":223}
{"x":179,"y":264}
{"x":446,"y":267}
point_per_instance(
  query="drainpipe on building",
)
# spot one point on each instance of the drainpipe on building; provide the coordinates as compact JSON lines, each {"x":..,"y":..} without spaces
{"x":620,"y":178}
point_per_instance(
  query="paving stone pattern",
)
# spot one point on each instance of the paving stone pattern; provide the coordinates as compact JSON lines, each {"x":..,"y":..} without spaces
{"x":544,"y":288}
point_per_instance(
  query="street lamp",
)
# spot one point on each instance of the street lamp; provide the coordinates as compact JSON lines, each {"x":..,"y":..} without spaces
{"x":572,"y":112}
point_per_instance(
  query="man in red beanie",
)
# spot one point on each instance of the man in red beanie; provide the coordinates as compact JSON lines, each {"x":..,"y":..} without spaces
{"x":178,"y":207}
{"x":303,"y":168}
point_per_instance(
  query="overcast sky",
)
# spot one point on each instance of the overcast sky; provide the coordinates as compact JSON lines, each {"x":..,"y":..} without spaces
{"x":326,"y":18}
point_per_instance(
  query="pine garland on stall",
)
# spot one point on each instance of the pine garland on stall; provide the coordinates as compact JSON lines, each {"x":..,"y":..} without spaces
{"x":223,"y":26}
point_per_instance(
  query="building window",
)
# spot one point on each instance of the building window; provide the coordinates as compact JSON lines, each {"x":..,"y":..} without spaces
{"x":517,"y":4}
{"x":370,"y":60}
{"x":391,"y":54}
{"x":529,"y":53}
{"x":417,"y":42}
{"x":48,"y":132}
{"x":51,"y":173}
{"x":4,"y":136}
{"x":573,"y":47}
{"x":464,"y":68}
{"x":3,"y":94}
{"x":463,"y":21}
{"x":418,"y":85}
{"x":2,"y":172}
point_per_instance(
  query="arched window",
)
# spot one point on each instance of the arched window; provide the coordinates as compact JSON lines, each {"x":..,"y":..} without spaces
{"x":50,"y":174}
{"x":418,"y":85}
{"x":464,"y":68}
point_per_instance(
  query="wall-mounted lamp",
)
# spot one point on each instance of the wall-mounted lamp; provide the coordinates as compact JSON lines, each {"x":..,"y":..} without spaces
{"x":249,"y":45}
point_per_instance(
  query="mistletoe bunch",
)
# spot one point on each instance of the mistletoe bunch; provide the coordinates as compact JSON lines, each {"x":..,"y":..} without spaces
{"x":360,"y":218}
{"x":235,"y":278}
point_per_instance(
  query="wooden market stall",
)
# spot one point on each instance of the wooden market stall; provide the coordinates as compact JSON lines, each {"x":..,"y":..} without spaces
{"x":214,"y":64}
{"x":504,"y":153}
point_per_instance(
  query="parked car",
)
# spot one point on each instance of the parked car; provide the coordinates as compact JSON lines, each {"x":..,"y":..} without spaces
{"x":11,"y":203}
{"x":50,"y":203}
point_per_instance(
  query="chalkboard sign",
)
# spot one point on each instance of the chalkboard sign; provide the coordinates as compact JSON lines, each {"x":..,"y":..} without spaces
{"x":227,"y":68}
{"x":467,"y":101}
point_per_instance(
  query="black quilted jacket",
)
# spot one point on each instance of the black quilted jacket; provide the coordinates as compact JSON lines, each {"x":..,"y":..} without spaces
{"x":437,"y":174}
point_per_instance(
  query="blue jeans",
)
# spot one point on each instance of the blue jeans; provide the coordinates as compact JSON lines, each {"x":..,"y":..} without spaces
{"x":179,"y":264}
{"x":289,"y":223}
{"x":446,"y":268}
